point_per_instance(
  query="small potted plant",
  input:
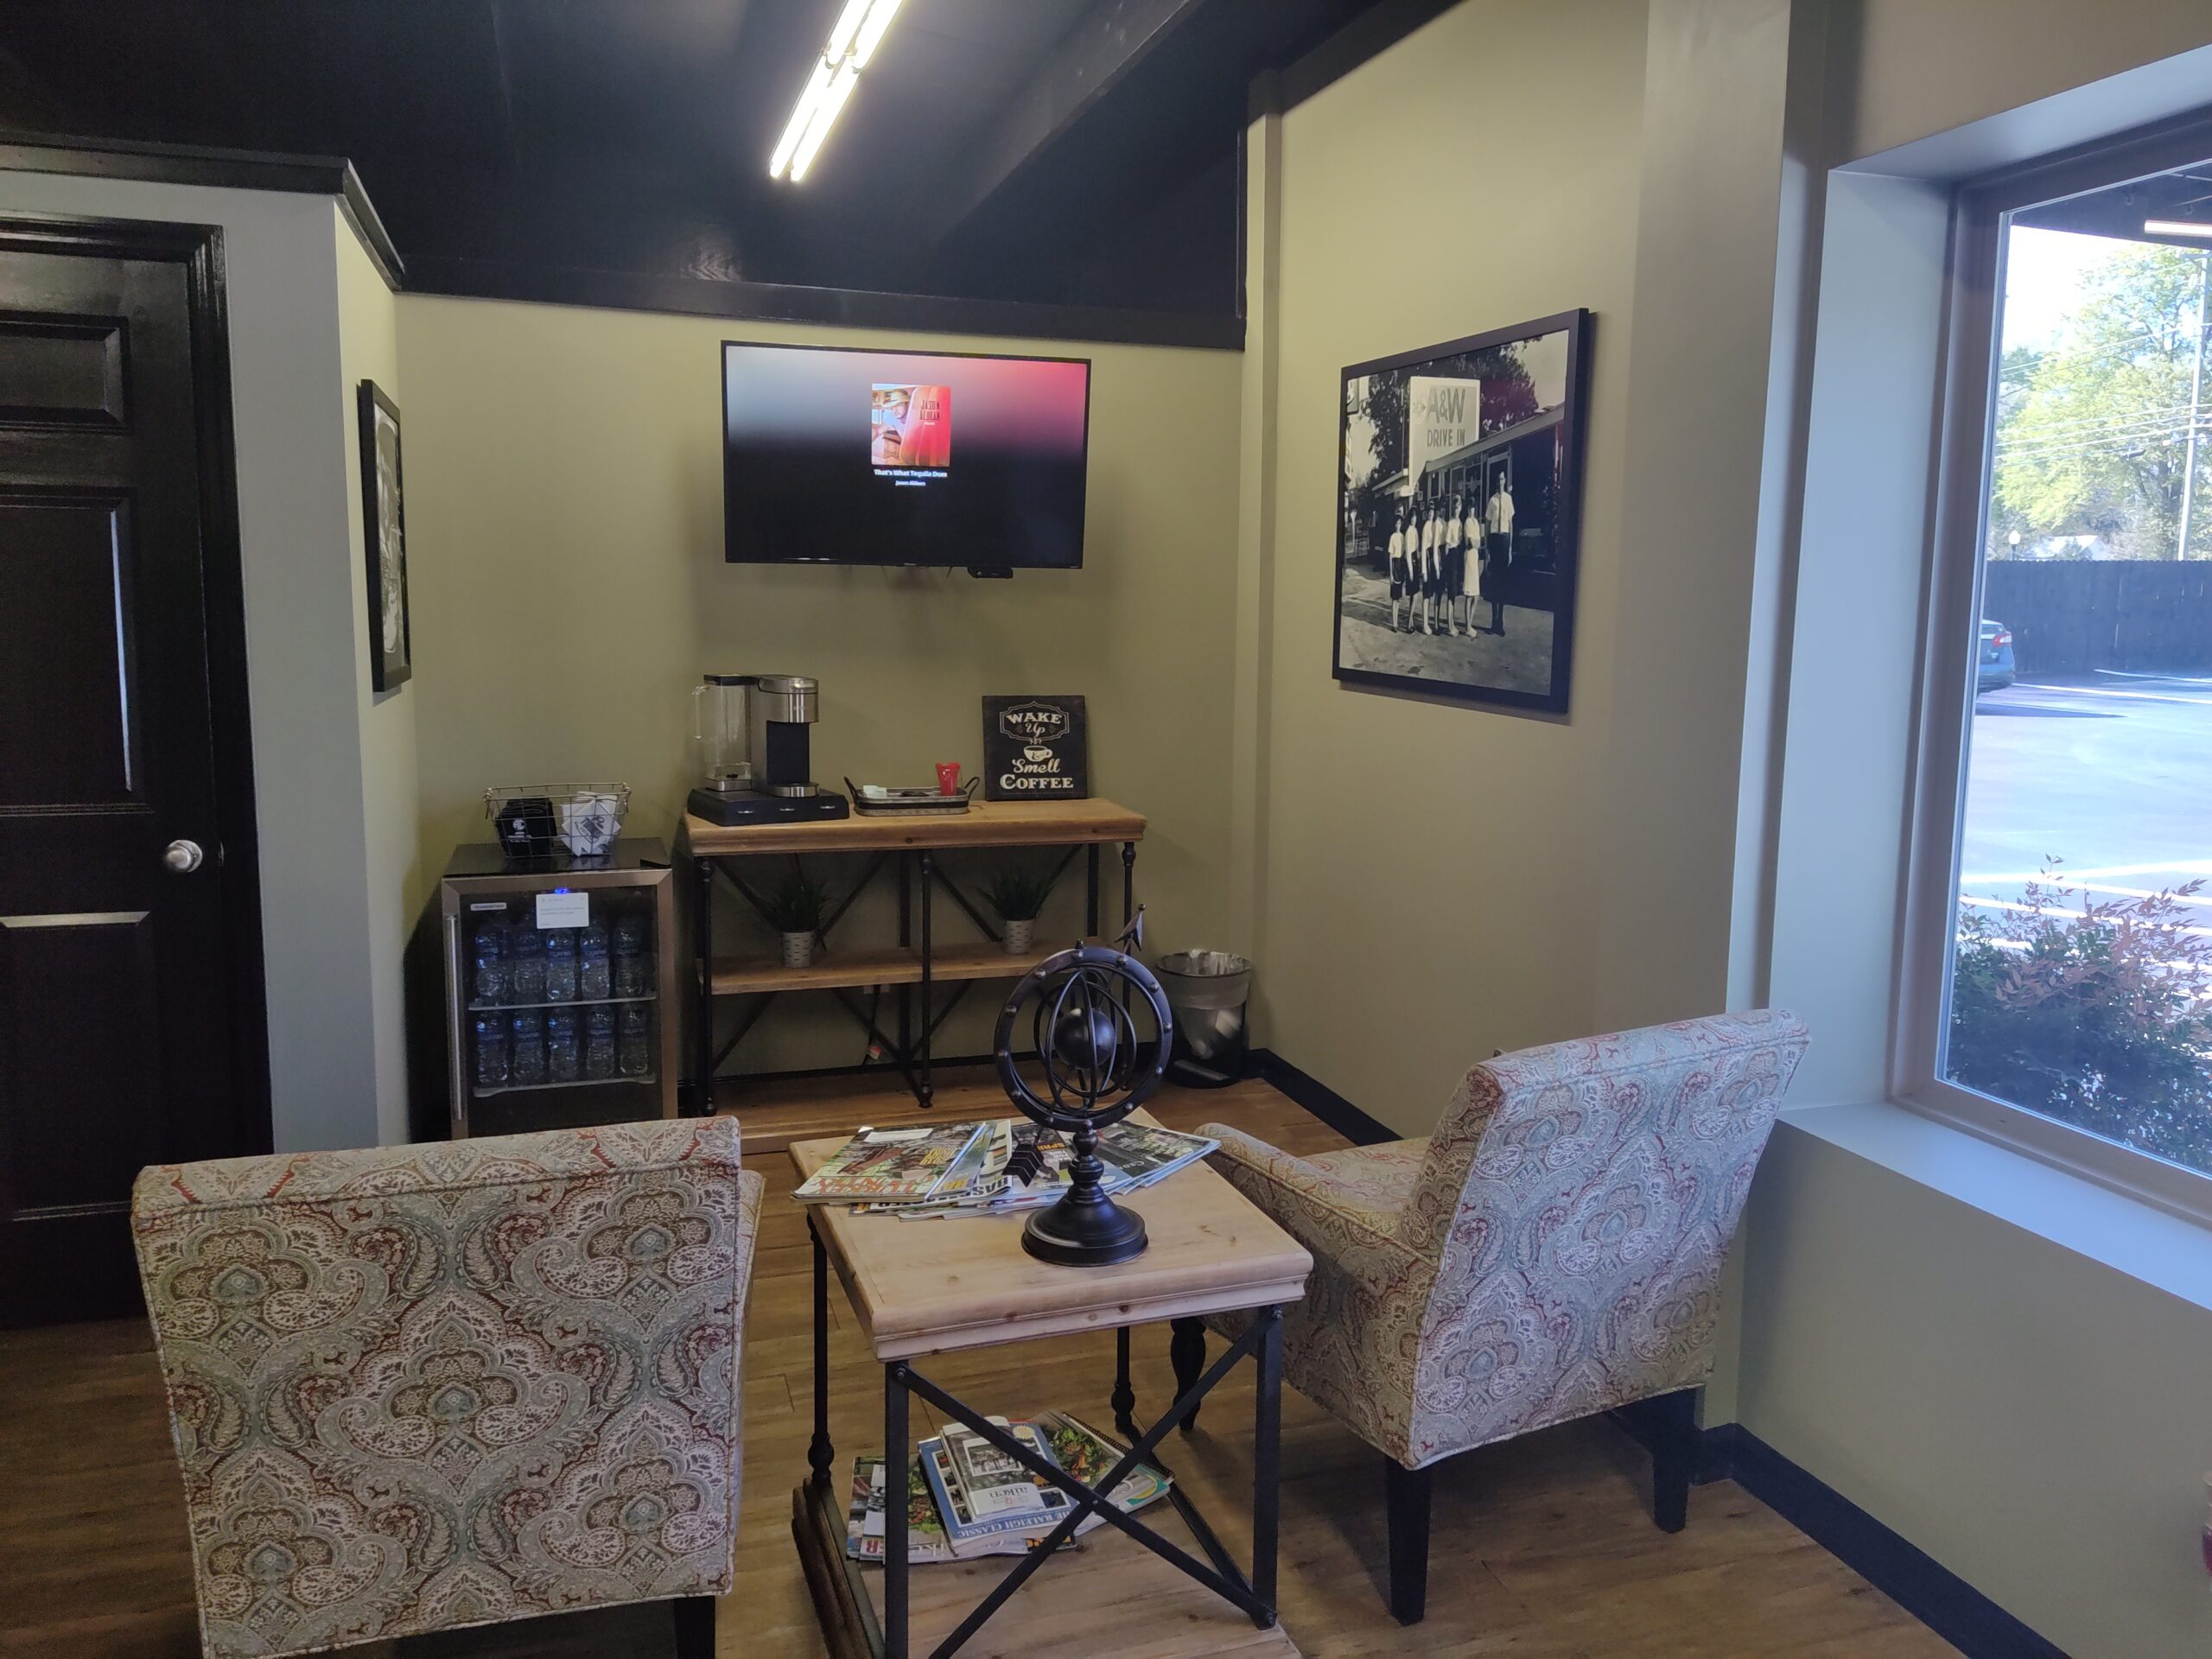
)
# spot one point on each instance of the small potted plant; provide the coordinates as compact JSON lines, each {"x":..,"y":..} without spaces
{"x":795,"y":905}
{"x":1018,"y":894}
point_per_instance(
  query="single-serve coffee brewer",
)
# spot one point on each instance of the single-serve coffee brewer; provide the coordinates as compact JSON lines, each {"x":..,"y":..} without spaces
{"x":754,"y":752}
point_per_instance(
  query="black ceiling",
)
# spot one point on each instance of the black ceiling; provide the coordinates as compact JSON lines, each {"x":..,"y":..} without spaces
{"x":1060,"y":152}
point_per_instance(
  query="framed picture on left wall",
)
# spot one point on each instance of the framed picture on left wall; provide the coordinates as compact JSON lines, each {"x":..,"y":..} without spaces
{"x":384,"y":524}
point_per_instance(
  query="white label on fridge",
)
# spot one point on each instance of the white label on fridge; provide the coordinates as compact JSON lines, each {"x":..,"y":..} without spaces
{"x":563,"y":909}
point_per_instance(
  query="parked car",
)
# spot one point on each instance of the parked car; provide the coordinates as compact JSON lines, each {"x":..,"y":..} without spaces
{"x":1993,"y":672}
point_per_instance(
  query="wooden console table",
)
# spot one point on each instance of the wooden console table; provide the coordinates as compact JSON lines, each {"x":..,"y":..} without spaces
{"x":926,"y":1288}
{"x":919,"y":962}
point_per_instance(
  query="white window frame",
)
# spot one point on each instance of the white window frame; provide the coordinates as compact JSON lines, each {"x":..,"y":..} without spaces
{"x":1949,"y":655}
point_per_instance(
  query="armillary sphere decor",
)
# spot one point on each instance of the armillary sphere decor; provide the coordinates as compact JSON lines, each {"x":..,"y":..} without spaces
{"x":1101,"y":1026}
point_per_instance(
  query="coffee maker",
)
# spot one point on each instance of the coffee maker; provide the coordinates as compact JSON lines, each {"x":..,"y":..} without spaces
{"x":753,"y":760}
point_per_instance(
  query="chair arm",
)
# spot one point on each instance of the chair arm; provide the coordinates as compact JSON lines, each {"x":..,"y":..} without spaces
{"x":1320,"y":1211}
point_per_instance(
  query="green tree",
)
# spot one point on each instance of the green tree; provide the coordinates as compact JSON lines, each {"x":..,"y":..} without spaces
{"x":2091,"y":433}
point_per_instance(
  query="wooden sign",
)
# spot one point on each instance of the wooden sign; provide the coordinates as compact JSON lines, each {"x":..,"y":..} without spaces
{"x":1036,"y":749}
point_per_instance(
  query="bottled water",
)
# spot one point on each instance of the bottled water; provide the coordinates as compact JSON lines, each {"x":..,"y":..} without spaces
{"x":490,"y":1050}
{"x":563,"y":1060}
{"x":489,"y":979}
{"x":633,"y":967}
{"x":526,"y":964}
{"x":634,"y":1051}
{"x":561,"y":964}
{"x":599,"y":1041}
{"x":594,"y":967}
{"x":528,"y":1063}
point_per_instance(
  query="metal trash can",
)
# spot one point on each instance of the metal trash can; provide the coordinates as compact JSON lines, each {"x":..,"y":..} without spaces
{"x":1209,"y":991}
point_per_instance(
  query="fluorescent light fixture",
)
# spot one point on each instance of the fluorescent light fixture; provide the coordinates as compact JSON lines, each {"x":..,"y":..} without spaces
{"x":832,"y":105}
{"x":849,"y":23}
{"x":2176,"y":227}
{"x":860,"y":30}
{"x":802,"y":118}
{"x":871,"y":34}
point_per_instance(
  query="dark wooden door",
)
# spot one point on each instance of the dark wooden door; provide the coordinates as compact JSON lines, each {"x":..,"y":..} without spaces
{"x":130,"y":1024}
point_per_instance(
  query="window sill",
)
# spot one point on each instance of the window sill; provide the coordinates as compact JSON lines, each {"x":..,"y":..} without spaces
{"x":2130,"y":1237}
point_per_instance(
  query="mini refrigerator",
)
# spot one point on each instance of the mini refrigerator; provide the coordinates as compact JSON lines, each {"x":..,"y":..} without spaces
{"x":560,"y":989}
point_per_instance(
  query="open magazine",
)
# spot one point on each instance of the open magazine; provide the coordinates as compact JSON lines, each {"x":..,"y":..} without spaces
{"x":1032,"y":1171}
{"x":903,"y":1165}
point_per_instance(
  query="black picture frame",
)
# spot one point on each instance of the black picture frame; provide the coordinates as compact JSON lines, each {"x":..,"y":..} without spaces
{"x":384,"y":538}
{"x":1534,"y":447}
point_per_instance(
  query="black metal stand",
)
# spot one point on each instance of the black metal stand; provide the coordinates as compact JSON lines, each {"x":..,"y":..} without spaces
{"x":1086,"y":1228}
{"x":1254,"y":1595}
{"x":912,"y":1051}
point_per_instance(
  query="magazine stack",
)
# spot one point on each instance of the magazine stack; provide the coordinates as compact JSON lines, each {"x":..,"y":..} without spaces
{"x":966,"y":1498}
{"x":993,"y":1168}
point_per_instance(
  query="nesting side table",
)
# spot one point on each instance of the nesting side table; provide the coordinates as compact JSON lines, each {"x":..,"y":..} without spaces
{"x":921,"y":1288}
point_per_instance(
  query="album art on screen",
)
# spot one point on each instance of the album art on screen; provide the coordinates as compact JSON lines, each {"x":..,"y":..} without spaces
{"x":1459,"y":509}
{"x":910,"y":430}
{"x":802,"y":482}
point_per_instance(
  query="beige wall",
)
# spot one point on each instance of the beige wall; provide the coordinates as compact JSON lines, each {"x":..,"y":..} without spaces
{"x":1949,"y":1336}
{"x":368,"y":349}
{"x":1430,"y":868}
{"x":1912,"y":68}
{"x":564,"y":519}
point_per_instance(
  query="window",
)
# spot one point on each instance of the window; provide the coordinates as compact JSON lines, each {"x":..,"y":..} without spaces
{"x":2073,"y":638}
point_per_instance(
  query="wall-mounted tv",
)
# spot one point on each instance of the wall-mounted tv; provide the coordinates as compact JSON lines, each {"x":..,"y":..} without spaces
{"x":832,"y":455}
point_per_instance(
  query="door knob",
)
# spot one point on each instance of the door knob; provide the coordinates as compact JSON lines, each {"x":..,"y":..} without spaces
{"x":183,"y":857}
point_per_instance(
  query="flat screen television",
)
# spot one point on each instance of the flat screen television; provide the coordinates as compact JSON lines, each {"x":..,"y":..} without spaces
{"x":833,"y":456}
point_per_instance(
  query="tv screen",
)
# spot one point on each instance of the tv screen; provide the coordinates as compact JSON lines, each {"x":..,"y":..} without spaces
{"x":837,"y":456}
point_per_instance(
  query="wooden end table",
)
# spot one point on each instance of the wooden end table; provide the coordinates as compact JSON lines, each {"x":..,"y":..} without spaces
{"x":924,"y":1288}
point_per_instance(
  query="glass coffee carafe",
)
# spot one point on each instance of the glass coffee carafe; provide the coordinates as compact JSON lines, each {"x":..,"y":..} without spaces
{"x":718,"y":724}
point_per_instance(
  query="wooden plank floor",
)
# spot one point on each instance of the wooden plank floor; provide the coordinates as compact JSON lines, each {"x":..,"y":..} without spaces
{"x":1544,"y":1547}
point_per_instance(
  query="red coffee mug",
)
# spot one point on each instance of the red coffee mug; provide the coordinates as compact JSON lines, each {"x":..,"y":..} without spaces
{"x":948,"y":777}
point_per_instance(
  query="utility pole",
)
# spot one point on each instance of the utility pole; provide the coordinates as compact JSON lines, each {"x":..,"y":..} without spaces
{"x":2196,"y":405}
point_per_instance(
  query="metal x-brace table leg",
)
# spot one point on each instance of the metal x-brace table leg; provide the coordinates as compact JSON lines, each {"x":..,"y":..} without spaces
{"x":1255,"y":1596}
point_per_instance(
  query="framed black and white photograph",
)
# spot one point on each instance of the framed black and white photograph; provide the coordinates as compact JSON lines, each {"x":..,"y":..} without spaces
{"x":391,"y":659}
{"x":1458,"y":505}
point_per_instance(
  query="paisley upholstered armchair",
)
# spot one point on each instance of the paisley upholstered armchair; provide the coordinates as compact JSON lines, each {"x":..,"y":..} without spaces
{"x":1553,"y":1250}
{"x":429,"y":1387}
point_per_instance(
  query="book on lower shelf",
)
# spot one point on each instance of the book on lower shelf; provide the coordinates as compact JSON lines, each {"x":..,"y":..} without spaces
{"x":967,"y":1498}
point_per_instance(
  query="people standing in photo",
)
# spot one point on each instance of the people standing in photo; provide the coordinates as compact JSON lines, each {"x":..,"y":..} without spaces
{"x":1453,"y":552}
{"x":1472,"y":559}
{"x":1499,"y":517}
{"x":1430,"y":531}
{"x":1401,"y":521}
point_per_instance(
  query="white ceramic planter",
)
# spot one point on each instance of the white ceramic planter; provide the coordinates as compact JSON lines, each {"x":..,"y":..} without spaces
{"x":1021,"y":937}
{"x":798,"y":950}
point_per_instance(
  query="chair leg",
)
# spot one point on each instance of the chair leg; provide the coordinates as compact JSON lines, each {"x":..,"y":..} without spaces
{"x":1673,"y":1456}
{"x":694,"y":1627}
{"x":1405,"y":1495}
{"x":1186,"y":1351}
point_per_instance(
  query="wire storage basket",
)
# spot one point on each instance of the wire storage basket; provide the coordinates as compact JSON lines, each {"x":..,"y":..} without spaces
{"x":545,"y":820}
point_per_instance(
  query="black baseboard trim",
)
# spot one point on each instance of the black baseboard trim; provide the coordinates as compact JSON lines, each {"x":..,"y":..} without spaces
{"x":1930,"y":1592}
{"x":1317,"y":1097}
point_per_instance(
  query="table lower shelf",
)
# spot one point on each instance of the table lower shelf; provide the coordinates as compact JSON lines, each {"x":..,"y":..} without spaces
{"x":857,"y":969}
{"x":1112,"y":1599}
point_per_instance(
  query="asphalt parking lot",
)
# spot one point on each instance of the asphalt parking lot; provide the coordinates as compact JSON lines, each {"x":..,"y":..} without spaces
{"x":2111,"y":773}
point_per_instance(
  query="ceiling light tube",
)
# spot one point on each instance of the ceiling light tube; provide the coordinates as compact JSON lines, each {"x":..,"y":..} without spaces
{"x":849,"y":22}
{"x":825,"y":116}
{"x":872,"y":32}
{"x":2174,"y":227}
{"x":859,"y":31}
{"x":802,"y":118}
